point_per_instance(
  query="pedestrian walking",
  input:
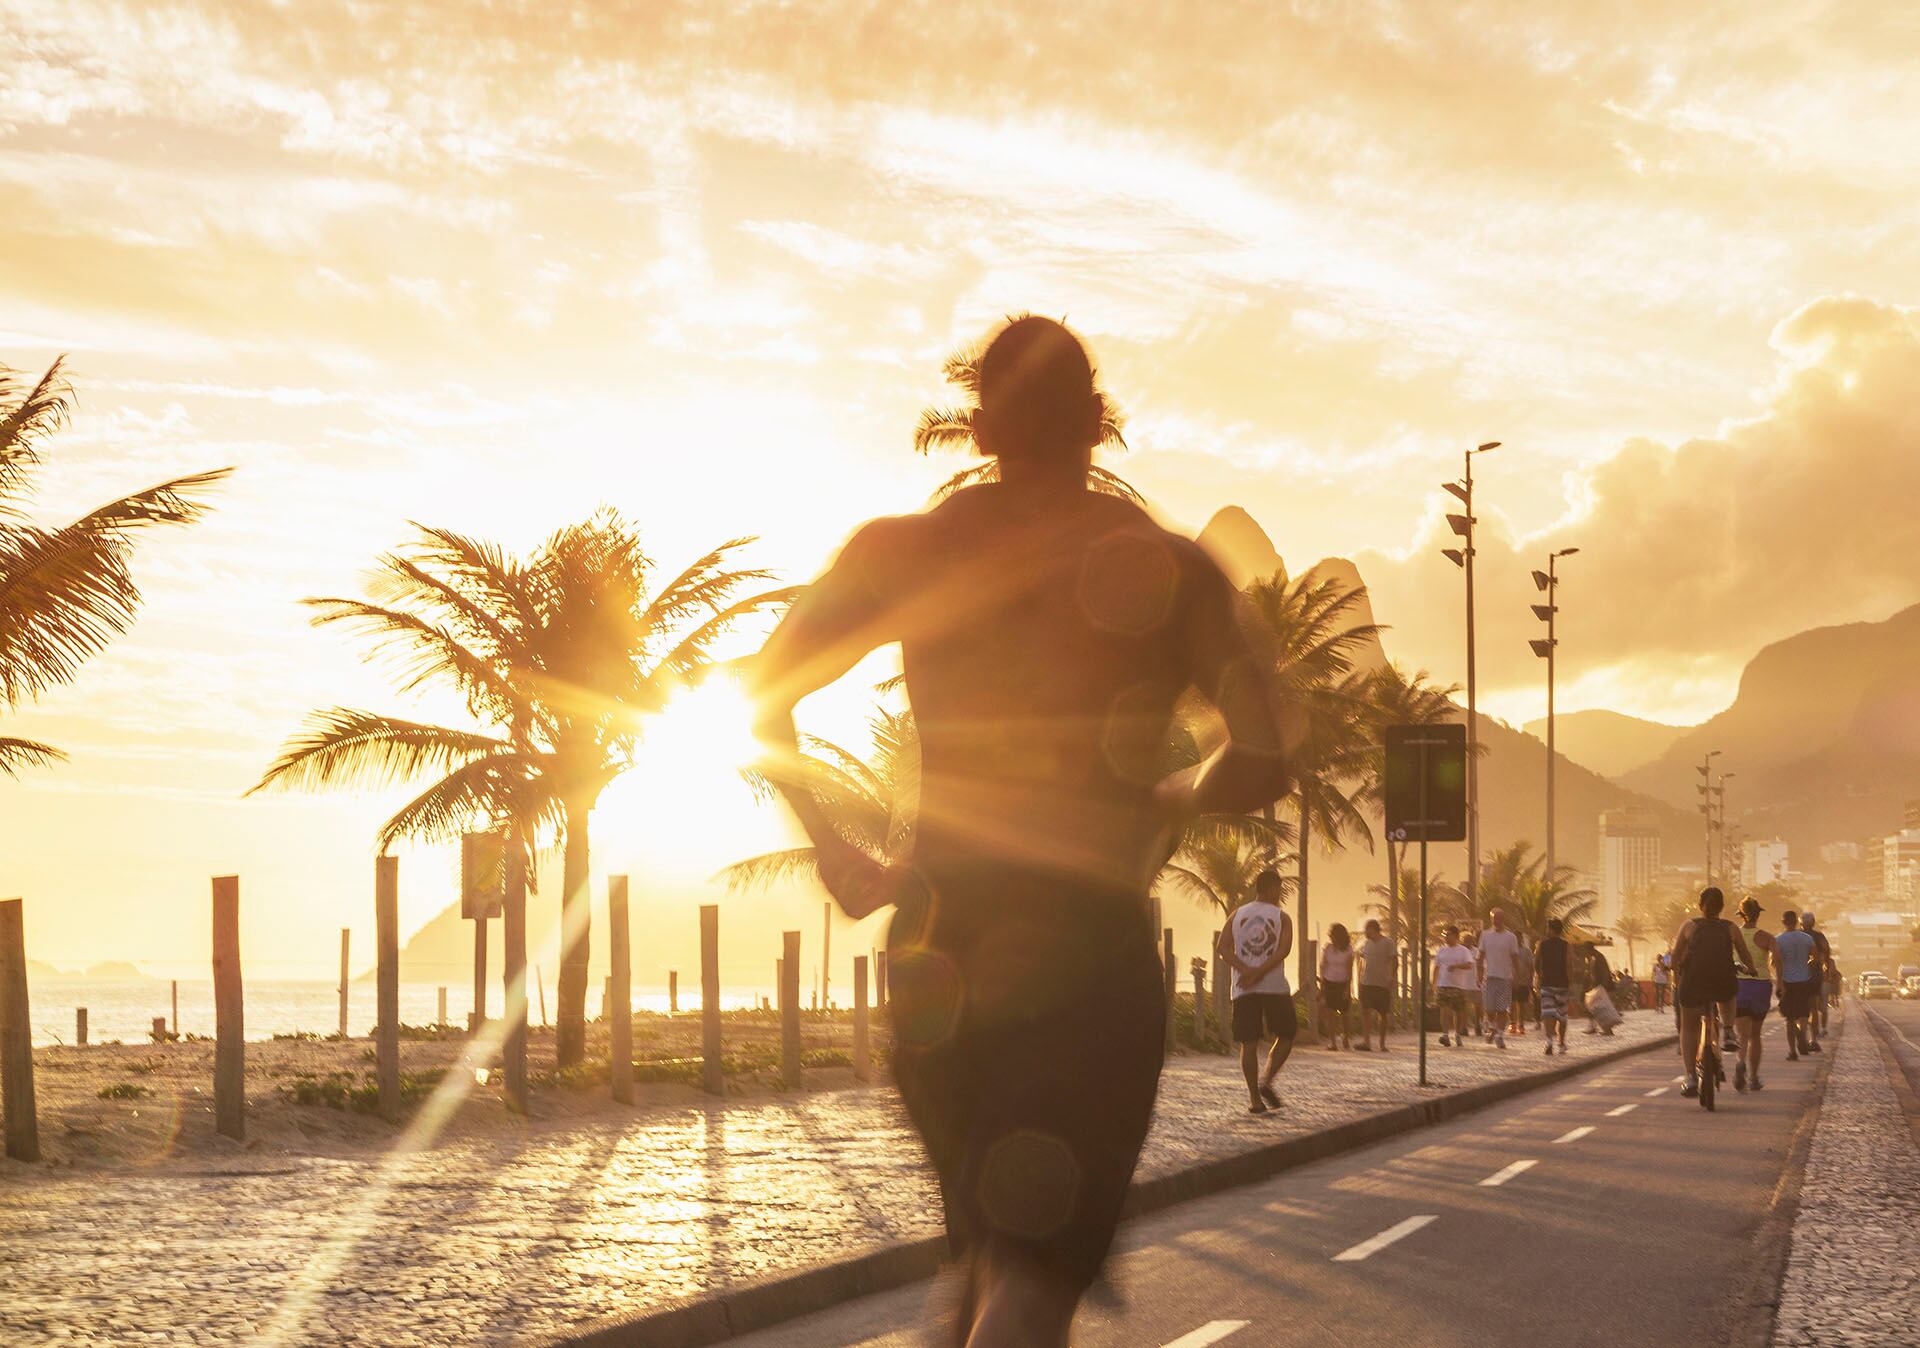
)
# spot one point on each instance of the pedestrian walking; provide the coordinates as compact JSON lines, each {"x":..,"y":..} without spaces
{"x":1793,"y":952}
{"x":1379,"y":969}
{"x":1822,"y":966}
{"x":1602,"y":1014}
{"x":1750,"y":1002}
{"x":1256,"y":942}
{"x":1476,"y":1012}
{"x":1047,"y":632}
{"x":1336,"y":987}
{"x":1552,"y":977}
{"x":1660,"y":978}
{"x":1499,"y":953}
{"x":1523,"y":999}
{"x":1452,"y":980}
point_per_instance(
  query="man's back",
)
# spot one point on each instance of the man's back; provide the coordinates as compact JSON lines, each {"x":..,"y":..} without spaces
{"x":1046,"y":637}
{"x":1795,"y":948}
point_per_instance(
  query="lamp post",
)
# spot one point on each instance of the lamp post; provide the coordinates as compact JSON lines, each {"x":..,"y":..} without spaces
{"x":1705,"y":788}
{"x":1549,"y":581}
{"x":1462,"y":557}
{"x":1720,"y":825}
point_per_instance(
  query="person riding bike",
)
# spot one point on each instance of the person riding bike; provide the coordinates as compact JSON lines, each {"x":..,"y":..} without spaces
{"x":1704,"y":957}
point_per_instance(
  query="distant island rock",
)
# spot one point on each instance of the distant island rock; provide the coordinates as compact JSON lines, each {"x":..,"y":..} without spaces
{"x":36,"y":969}
{"x":1609,"y":742}
{"x":118,"y":971}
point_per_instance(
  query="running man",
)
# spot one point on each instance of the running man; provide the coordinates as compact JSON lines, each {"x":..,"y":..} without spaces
{"x":1379,"y":970}
{"x":1793,"y":951}
{"x":1553,"y":976}
{"x":1046,"y":633}
{"x":1822,"y":966}
{"x":1452,"y":977}
{"x":1499,"y":953}
{"x":1703,"y":959}
{"x":1750,"y":1002}
{"x":1256,"y":942}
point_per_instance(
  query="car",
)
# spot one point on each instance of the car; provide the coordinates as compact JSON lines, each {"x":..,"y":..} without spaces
{"x":1911,"y":988}
{"x":1860,"y":984}
{"x":1876,"y":987}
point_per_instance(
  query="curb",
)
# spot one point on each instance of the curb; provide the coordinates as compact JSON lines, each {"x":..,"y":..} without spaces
{"x":759,"y":1305}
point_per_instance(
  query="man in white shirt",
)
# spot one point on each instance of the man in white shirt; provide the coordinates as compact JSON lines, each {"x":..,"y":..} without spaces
{"x":1256,"y":941}
{"x":1452,"y":981}
{"x":1499,"y":956}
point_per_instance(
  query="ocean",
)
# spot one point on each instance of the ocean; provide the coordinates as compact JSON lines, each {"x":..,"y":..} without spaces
{"x":124,"y":1009}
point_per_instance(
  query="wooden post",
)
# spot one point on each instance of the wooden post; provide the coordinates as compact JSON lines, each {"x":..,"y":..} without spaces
{"x":513,"y":948}
{"x":880,"y":979}
{"x":711,"y":1074}
{"x":620,"y":989}
{"x":1222,"y":995}
{"x":540,"y":988}
{"x":176,"y":1008}
{"x":80,"y":1026}
{"x":826,"y":951}
{"x":479,"y":1016}
{"x":16,"y":1037}
{"x":790,"y":1011}
{"x":1310,"y":961}
{"x":862,"y":1062}
{"x":673,"y":992}
{"x":158,"y":1029}
{"x":229,"y":1017}
{"x":606,"y":999}
{"x":1199,"y":1003}
{"x":386,"y":945}
{"x":1170,"y":976}
{"x":346,"y":940}
{"x":440,"y":1008}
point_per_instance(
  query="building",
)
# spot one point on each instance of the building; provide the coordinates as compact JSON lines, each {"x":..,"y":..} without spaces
{"x":1629,"y":860}
{"x":1911,"y":818}
{"x":1762,"y":863}
{"x":1863,"y":941}
{"x":1841,"y":853}
{"x":1899,"y":877}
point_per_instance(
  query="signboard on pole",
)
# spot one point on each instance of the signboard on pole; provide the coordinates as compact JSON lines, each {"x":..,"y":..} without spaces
{"x":483,"y":875}
{"x":1439,"y":813}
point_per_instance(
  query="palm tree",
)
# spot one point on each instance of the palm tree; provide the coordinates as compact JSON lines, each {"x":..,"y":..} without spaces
{"x":951,"y":428}
{"x":1395,"y":697}
{"x":1632,"y":930}
{"x":1397,"y":903}
{"x":1512,"y":879}
{"x":1219,"y":870}
{"x":65,"y":590}
{"x":1309,"y":632}
{"x":559,"y":659}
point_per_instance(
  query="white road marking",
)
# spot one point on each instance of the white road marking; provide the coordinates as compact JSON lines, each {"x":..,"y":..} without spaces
{"x":1211,"y":1332}
{"x":1500,"y":1177}
{"x":1573,"y":1135}
{"x":1618,"y":1110}
{"x":1374,"y":1244}
{"x":1680,"y":1080}
{"x":1657,"y":1090}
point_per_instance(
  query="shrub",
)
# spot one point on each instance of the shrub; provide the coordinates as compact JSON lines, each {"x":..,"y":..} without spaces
{"x":123,"y":1090}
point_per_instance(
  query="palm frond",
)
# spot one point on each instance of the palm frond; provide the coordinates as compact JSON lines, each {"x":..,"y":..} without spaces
{"x":346,"y":747}
{"x":425,"y":652}
{"x":768,"y":869}
{"x":17,"y":755}
{"x":472,"y":794}
{"x":28,"y":417}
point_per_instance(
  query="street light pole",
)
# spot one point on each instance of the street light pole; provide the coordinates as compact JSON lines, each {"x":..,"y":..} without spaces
{"x":1463,"y":558}
{"x":1549,"y":581}
{"x":1705,"y":788}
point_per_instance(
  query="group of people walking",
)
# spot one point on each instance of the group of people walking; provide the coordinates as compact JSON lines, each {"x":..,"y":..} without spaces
{"x":1730,"y":975}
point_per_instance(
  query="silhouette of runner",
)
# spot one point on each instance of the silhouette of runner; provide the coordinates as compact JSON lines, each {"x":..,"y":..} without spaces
{"x":1046,"y":633}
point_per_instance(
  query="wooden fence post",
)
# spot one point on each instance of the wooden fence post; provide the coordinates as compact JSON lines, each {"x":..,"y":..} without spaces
{"x":826,"y":950}
{"x":229,"y":1016}
{"x":440,"y":1009}
{"x":346,"y":940}
{"x":1222,"y":995}
{"x":1310,"y":961}
{"x":80,"y":1026}
{"x":1170,"y":977}
{"x":386,"y":945}
{"x":16,"y":1037}
{"x":606,"y":999}
{"x":673,"y":992}
{"x":790,"y":1010}
{"x":711,"y":1073}
{"x":862,"y":1061}
{"x":1199,"y":1002}
{"x":176,"y":1008}
{"x":880,"y":979}
{"x":540,"y":987}
{"x":620,"y":993}
{"x":158,"y":1029}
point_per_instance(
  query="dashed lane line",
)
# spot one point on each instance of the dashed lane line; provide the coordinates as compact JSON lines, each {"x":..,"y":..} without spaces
{"x":1211,"y":1332}
{"x":1573,"y":1134}
{"x":1658,"y":1090}
{"x":1618,"y":1110}
{"x":1500,"y":1177}
{"x":1374,"y":1244}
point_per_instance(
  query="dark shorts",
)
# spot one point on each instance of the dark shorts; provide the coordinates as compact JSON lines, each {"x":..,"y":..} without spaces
{"x":1452,"y":999}
{"x":1029,"y":1023}
{"x":1796,"y":999}
{"x":1260,"y":1015}
{"x":1336,"y":996}
{"x":1753,"y":998}
{"x":1698,"y":994}
{"x":1376,"y":999}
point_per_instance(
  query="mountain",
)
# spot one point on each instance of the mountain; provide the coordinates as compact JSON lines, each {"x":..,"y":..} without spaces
{"x":1242,"y":549}
{"x":1823,"y":739}
{"x":1607,"y":741}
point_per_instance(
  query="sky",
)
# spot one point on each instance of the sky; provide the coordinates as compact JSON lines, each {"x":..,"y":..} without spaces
{"x":490,"y":266}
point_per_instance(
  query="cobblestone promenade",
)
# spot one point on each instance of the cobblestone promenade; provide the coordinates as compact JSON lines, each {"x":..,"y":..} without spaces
{"x":508,"y":1240}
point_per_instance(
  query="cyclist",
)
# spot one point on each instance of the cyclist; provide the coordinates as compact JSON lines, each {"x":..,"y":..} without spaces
{"x":1755,"y":952}
{"x":1703,"y":957}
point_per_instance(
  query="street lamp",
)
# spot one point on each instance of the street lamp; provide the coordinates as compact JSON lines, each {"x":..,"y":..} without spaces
{"x":1462,"y":557}
{"x":1726,"y":852}
{"x":1549,"y":581}
{"x":1704,"y":787}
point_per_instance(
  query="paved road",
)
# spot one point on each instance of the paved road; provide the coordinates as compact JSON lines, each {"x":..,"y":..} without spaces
{"x":1899,"y":1025}
{"x":1609,"y":1210}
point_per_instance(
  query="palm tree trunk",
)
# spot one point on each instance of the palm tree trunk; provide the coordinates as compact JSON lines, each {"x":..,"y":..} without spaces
{"x":1300,"y":939}
{"x":515,"y":935}
{"x":570,"y":1025}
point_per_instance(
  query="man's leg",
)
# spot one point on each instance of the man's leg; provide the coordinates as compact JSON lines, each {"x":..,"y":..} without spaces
{"x":1277,"y":1058}
{"x":1019,"y":1305}
{"x":1250,"y":1068}
{"x":1690,"y":1048}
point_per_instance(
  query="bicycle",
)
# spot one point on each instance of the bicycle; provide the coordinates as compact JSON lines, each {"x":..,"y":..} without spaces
{"x":1709,"y":1057}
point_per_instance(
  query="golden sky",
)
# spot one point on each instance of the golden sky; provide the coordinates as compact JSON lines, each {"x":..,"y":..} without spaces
{"x":491,"y":265}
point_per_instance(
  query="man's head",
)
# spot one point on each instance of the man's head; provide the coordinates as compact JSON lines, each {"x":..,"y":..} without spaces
{"x":1712,"y":901}
{"x":1497,"y":918}
{"x":1452,"y":933}
{"x":1555,"y":926}
{"x":1806,"y":921}
{"x":1038,"y":405}
{"x":1266,"y":886}
{"x":1750,"y":909}
{"x":1373,"y":929}
{"x":1789,"y":919}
